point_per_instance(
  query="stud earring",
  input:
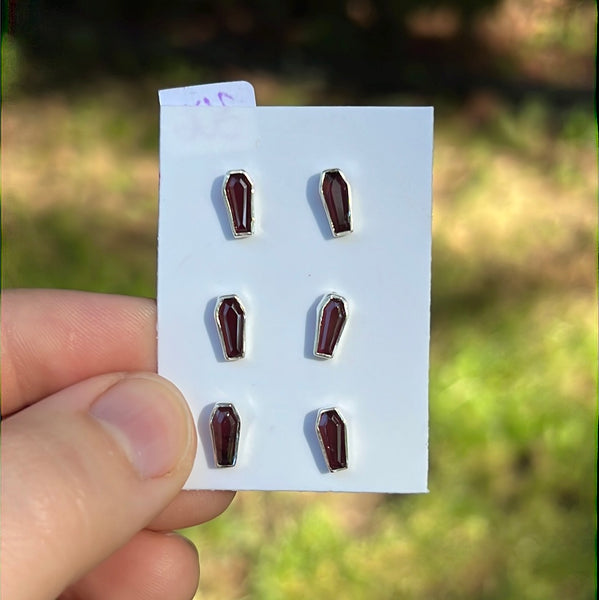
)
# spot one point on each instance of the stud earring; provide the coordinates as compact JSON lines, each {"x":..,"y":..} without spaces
{"x":335,"y":193}
{"x":229,"y":315}
{"x":331,"y":431}
{"x":331,"y":317}
{"x":238,"y":193}
{"x":225,"y":425}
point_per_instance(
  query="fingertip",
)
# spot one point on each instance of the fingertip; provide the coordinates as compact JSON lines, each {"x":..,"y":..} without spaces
{"x":149,"y":419}
{"x":151,"y":565}
{"x":192,"y":507}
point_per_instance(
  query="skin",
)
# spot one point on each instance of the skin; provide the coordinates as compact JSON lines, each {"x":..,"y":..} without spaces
{"x":87,"y":512}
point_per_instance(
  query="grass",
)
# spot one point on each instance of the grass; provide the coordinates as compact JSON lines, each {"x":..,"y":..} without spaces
{"x":511,"y":513}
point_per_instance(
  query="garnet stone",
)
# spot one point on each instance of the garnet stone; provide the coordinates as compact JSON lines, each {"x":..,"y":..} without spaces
{"x":336,"y":198}
{"x":229,"y":315}
{"x":225,"y":425}
{"x":331,"y":431}
{"x":238,"y":192}
{"x":330,"y":321}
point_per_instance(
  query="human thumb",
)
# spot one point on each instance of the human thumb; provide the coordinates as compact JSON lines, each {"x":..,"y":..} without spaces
{"x":83,"y":471}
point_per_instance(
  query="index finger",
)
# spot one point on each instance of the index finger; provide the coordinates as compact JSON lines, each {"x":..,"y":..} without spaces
{"x":54,"y":338}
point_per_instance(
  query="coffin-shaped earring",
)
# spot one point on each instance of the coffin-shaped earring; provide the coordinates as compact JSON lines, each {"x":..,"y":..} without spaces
{"x":238,"y":193}
{"x":225,"y":425}
{"x":331,"y":317}
{"x":229,"y":315}
{"x":331,"y":431}
{"x":335,"y":193}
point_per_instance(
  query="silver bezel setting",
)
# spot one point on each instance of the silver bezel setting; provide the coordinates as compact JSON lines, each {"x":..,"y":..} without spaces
{"x":326,"y":208}
{"x":319,"y":315}
{"x":214,"y":452}
{"x":219,"y":329}
{"x":321,"y":441}
{"x":228,"y":175}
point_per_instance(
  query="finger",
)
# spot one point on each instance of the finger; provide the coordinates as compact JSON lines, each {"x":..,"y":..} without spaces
{"x":92,"y":334}
{"x":54,"y":338}
{"x":85,"y":470}
{"x":152,"y":566}
{"x":192,"y":507}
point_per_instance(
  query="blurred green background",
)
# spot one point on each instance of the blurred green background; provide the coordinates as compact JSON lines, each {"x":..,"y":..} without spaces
{"x":511,"y":511}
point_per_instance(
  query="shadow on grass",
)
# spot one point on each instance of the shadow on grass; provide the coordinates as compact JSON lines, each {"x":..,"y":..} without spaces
{"x":468,"y":289}
{"x":69,"y":248}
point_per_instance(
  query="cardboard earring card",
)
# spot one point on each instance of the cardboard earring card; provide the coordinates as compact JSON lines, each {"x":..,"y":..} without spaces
{"x":377,"y":377}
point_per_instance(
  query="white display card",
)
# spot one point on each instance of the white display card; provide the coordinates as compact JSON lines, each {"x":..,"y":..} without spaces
{"x":378,"y":377}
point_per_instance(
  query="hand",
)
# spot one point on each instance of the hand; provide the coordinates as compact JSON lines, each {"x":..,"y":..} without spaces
{"x":95,"y":449}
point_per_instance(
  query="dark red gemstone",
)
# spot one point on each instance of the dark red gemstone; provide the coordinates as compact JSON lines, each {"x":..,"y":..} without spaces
{"x":333,"y":438}
{"x":238,"y":196}
{"x":230,"y":320}
{"x":331,"y":321}
{"x":335,"y":195}
{"x":225,"y":425}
